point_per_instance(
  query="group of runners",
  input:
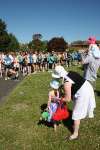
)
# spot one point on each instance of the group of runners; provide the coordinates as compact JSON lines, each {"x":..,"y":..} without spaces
{"x":14,"y":63}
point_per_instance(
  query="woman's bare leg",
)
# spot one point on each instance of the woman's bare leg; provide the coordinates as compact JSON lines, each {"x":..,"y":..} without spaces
{"x":76,"y":130}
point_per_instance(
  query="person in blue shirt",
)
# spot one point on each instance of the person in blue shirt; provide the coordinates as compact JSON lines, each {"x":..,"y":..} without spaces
{"x":50,"y":60}
{"x":8,"y":65}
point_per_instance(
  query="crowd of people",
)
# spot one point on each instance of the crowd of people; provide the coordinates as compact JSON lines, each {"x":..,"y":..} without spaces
{"x":14,"y":63}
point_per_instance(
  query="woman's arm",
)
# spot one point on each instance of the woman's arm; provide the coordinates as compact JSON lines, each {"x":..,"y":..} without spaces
{"x":67,"y":90}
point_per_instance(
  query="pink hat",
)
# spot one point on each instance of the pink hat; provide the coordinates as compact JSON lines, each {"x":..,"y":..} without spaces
{"x":91,"y":40}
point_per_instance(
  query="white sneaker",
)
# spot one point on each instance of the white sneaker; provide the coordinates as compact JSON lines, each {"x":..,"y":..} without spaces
{"x":5,"y":78}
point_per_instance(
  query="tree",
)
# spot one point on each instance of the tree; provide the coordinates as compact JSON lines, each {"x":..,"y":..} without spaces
{"x":37,"y":36}
{"x":30,"y":45}
{"x":37,"y":44}
{"x":24,"y":47}
{"x":4,"y":36}
{"x":14,"y":44}
{"x":57,"y":44}
{"x":2,"y":26}
{"x":44,"y":46}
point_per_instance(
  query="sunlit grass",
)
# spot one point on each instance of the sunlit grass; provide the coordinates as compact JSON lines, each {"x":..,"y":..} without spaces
{"x":20,"y":113}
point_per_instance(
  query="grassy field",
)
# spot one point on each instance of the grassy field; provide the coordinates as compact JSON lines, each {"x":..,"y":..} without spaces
{"x":19,"y":115}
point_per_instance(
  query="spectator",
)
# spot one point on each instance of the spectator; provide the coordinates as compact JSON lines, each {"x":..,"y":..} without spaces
{"x":81,"y":92}
{"x":91,"y":61}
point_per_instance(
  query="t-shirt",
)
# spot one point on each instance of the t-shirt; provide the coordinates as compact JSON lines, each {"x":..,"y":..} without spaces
{"x":7,"y":60}
{"x":51,"y":59}
{"x":93,"y":64}
{"x":20,"y":58}
{"x":34,"y":58}
{"x":30,"y":58}
{"x":94,"y":50}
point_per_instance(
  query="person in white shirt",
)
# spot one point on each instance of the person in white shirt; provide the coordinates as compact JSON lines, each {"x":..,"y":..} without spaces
{"x":35,"y":62}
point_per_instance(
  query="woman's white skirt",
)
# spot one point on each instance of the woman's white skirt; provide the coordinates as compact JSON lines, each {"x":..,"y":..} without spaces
{"x":84,"y":102}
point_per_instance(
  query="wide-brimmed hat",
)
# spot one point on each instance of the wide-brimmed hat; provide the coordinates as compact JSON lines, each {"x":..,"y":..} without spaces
{"x":91,"y":40}
{"x":59,"y":72}
{"x":54,"y":84}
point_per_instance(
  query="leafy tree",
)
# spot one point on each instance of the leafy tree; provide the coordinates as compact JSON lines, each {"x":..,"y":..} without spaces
{"x":44,"y":46}
{"x":37,"y":36}
{"x":14,"y":44}
{"x":24,"y":47}
{"x":57,"y":44}
{"x":37,"y":44}
{"x":30,"y":45}
{"x":4,"y":36}
{"x":2,"y":26}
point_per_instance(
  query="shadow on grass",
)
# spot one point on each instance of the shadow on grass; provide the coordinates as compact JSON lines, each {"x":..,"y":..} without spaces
{"x":97,"y":92}
{"x":46,"y":123}
{"x":68,"y":123}
{"x":98,"y":76}
{"x":43,"y":108}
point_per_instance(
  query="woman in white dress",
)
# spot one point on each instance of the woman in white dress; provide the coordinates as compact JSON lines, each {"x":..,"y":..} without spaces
{"x":81,"y":92}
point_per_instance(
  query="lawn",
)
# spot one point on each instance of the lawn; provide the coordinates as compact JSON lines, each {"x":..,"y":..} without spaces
{"x":19,"y":115}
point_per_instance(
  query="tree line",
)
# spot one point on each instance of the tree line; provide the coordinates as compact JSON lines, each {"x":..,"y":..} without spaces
{"x":9,"y":42}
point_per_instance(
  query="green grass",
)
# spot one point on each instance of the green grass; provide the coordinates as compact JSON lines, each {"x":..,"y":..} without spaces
{"x":20,"y":113}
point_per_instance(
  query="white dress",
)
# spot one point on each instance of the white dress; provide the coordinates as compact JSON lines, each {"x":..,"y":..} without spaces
{"x":84,"y":102}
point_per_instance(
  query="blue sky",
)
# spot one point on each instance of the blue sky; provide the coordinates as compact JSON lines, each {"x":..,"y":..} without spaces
{"x":71,"y":19}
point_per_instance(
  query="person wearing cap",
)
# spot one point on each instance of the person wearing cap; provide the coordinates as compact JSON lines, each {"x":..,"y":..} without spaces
{"x":81,"y":92}
{"x":57,"y":109}
{"x":91,"y":61}
{"x":53,"y":98}
{"x":52,"y":104}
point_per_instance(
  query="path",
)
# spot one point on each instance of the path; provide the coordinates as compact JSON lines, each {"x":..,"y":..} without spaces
{"x":6,"y":87}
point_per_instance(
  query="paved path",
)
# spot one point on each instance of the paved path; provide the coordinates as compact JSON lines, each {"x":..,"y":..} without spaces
{"x":6,"y":87}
